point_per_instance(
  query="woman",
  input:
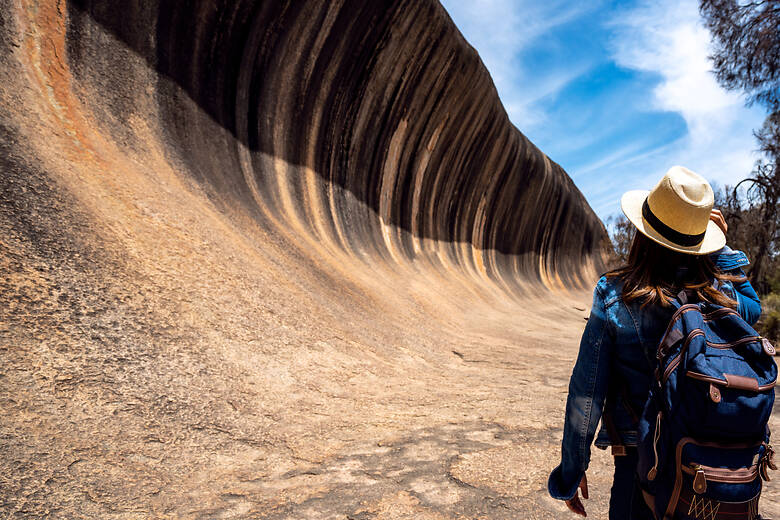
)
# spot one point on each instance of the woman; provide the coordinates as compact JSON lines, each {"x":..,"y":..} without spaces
{"x":680,"y":245}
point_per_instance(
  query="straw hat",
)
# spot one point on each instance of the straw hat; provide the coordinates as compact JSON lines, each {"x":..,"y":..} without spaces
{"x":676,"y":213}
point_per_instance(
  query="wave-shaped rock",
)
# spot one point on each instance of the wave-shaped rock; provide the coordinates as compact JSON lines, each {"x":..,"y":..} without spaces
{"x":239,"y":237}
{"x":390,"y":129}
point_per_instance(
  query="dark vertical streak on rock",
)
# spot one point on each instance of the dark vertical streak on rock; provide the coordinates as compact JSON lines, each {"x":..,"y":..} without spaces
{"x":354,"y":92}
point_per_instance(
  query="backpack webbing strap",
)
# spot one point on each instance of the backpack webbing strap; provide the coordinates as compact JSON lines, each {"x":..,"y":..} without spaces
{"x":650,"y":501}
{"x":668,"y":342}
{"x":618,"y":447}
{"x":627,"y":404}
{"x":684,"y":296}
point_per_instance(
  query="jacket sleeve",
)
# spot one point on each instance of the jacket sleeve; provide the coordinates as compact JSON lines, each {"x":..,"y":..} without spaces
{"x":732,"y":262}
{"x":587,"y":392}
{"x":748,"y":304}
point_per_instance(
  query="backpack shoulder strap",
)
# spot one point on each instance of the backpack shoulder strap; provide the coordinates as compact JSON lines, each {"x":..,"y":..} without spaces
{"x":615,"y":441}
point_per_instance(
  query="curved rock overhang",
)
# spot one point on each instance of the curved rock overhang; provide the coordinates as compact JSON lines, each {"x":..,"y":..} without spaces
{"x":372,"y":127}
{"x":242,"y":238}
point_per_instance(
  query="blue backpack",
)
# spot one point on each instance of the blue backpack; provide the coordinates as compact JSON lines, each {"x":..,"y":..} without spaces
{"x":703,"y":436}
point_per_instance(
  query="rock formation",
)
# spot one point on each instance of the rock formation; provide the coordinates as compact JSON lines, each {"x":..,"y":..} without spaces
{"x":275,"y":260}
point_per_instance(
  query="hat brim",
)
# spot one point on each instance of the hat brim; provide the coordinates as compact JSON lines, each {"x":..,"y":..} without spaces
{"x":631,"y":204}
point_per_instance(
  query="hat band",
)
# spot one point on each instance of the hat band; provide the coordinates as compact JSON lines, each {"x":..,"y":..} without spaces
{"x":668,"y":233}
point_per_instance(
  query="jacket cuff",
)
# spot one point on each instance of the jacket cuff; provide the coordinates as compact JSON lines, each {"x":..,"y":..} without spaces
{"x":561,"y":487}
{"x":728,"y":259}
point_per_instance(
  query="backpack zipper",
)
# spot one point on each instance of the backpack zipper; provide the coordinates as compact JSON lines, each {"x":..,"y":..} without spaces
{"x":746,"y":339}
{"x":656,"y":435}
{"x":703,"y":473}
{"x":700,"y":480}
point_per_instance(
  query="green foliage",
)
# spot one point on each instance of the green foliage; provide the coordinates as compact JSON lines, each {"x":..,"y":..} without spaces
{"x":769,"y":324}
{"x":774,"y":280}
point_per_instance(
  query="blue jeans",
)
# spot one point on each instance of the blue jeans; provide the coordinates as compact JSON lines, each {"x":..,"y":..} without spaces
{"x":625,"y":501}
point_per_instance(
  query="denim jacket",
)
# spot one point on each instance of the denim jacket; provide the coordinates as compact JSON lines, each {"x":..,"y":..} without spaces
{"x":617,"y":351}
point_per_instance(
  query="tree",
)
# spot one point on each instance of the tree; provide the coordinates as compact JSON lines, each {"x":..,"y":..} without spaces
{"x":763,"y":194}
{"x":746,"y":57}
{"x":746,"y":47}
{"x":769,"y":135}
{"x":622,"y":235}
{"x":745,"y":223}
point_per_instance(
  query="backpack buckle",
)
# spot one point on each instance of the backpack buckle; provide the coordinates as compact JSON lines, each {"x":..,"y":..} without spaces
{"x":768,"y":347}
{"x":618,"y":450}
{"x":767,"y":462}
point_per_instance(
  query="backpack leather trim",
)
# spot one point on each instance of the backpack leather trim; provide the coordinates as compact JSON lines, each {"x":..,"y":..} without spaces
{"x":733,"y":381}
{"x":676,"y":360}
{"x":714,"y":393}
{"x":662,"y":348}
{"x":726,"y":475}
{"x":700,"y":508}
{"x":741,"y":382}
{"x":746,"y":339}
{"x":768,"y":347}
{"x":678,"y":481}
{"x":671,"y":337}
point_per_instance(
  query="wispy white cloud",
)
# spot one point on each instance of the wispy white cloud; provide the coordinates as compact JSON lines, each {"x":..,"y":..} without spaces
{"x":639,"y":66}
{"x":667,"y":38}
{"x":500,"y":31}
{"x":622,"y":157}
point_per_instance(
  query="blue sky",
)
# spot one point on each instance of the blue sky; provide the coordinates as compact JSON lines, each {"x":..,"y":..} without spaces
{"x":615,"y":92}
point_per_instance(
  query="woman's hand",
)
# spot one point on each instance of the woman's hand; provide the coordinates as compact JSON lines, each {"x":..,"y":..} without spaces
{"x":717,"y":217}
{"x":574,"y":503}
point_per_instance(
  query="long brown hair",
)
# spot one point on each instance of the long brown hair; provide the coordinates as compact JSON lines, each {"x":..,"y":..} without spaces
{"x":655,"y":275}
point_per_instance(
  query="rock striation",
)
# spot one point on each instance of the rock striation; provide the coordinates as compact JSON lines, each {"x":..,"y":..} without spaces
{"x":254,"y":254}
{"x":387,"y":126}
